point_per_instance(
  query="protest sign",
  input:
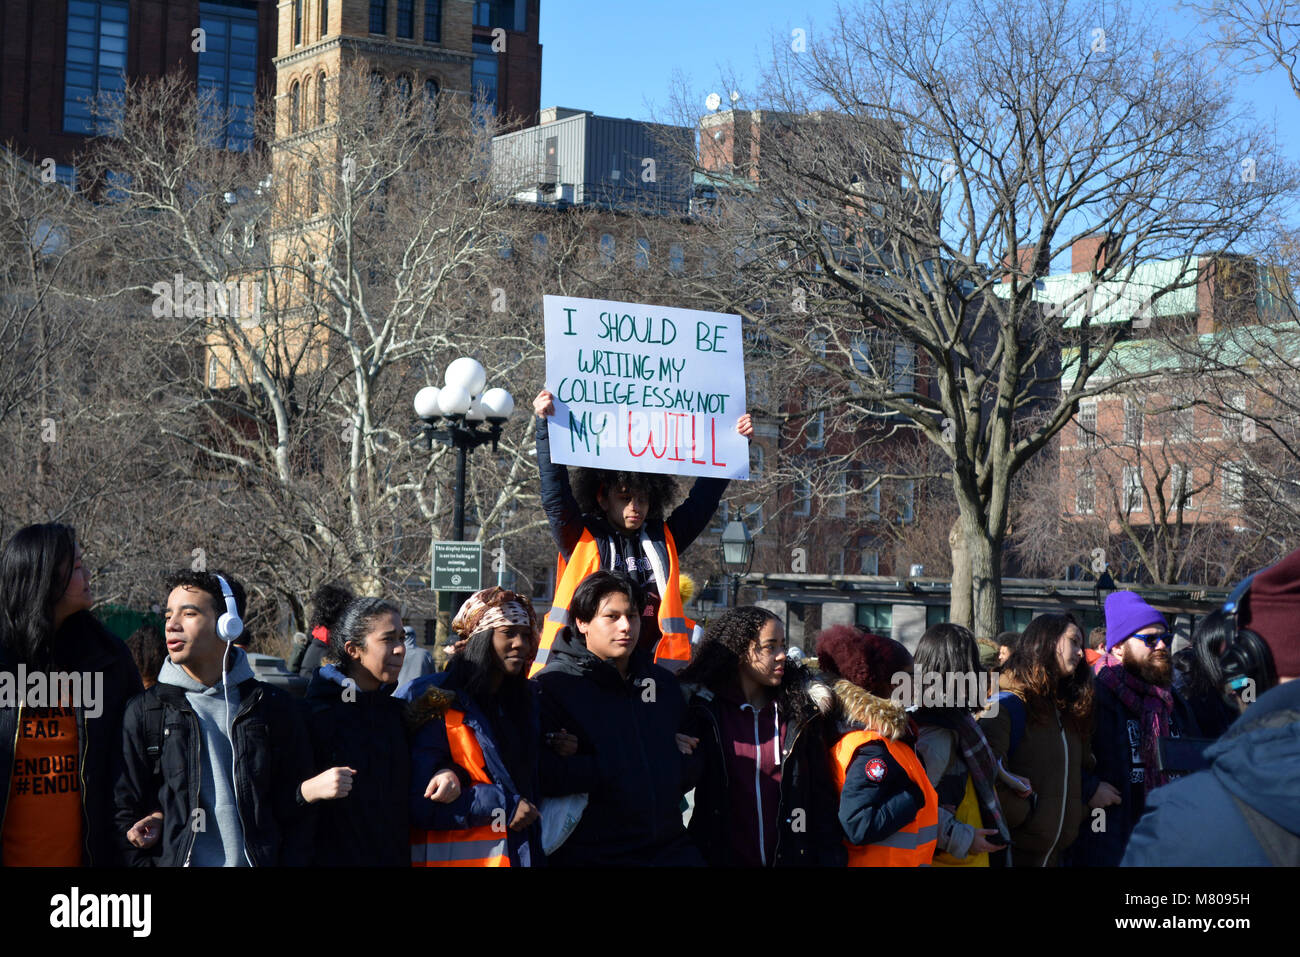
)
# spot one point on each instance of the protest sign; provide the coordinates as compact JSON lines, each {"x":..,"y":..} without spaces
{"x":645,"y":388}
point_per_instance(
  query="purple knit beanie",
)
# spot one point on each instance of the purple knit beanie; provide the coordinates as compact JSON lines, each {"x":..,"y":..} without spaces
{"x":1126,"y":614}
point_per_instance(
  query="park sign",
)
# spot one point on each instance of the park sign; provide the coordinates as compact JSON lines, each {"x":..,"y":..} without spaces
{"x":457,"y":566}
{"x":643,"y":388}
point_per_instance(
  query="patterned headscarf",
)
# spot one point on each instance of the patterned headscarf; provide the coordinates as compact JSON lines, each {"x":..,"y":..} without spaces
{"x":494,"y":606}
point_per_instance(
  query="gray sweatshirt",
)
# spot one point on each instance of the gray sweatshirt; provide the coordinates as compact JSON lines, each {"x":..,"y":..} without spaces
{"x":219,"y":841}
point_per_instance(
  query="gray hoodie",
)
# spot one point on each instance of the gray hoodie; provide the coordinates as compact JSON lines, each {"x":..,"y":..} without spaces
{"x":219,"y":841}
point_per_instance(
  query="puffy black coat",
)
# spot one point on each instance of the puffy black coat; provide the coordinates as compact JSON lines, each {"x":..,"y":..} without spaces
{"x":362,"y":730}
{"x":627,"y":763}
{"x":84,"y":645}
{"x":812,"y":839}
{"x":272,"y":759}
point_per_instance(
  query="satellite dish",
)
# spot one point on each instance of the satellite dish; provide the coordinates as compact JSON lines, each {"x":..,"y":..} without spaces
{"x":713,"y":101}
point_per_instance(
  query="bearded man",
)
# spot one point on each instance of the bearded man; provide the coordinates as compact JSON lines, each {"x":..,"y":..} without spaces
{"x":1135,"y":706}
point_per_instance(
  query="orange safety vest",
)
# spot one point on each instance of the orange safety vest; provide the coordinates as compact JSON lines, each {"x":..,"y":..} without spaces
{"x":911,"y":846}
{"x":674,"y":648}
{"x":482,"y":846}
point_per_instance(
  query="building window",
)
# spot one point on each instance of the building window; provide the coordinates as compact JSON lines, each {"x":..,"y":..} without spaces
{"x":96,"y":61}
{"x":402,"y":84}
{"x":484,"y":76}
{"x":869,"y":557}
{"x":1184,"y":429}
{"x":295,"y":103}
{"x":297,"y":23}
{"x":1234,"y":418}
{"x":802,"y":497}
{"x":1133,"y":494}
{"x":642,"y":257}
{"x":904,"y":367}
{"x":721,"y":516}
{"x":313,"y":187}
{"x":877,"y":619}
{"x":815,"y":430}
{"x":320,"y":100}
{"x":1133,"y":417}
{"x":540,"y":244}
{"x":1233,"y":484}
{"x":676,"y":259}
{"x":406,"y":19}
{"x":66,"y":175}
{"x":607,"y":249}
{"x":840,"y":501}
{"x":324,"y":18}
{"x":1087,"y":426}
{"x":482,"y":14}
{"x":504,"y":247}
{"x":214,"y":368}
{"x":752,"y":516}
{"x":378,"y":16}
{"x":907,"y":501}
{"x":378,"y":89}
{"x":1180,"y":487}
{"x":1085,"y":491}
{"x":872,"y":497}
{"x":432,"y":21}
{"x":756,"y":457}
{"x":228,"y":70}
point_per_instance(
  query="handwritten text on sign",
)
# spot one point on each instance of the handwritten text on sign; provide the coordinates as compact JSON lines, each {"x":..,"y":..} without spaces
{"x":645,"y":388}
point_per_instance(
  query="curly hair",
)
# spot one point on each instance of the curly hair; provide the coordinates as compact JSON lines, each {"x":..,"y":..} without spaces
{"x":587,"y":484}
{"x":726,"y":644}
{"x":327,"y":604}
{"x":1032,"y":665}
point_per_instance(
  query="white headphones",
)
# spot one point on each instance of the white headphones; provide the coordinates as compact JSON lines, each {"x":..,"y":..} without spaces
{"x":229,"y":626}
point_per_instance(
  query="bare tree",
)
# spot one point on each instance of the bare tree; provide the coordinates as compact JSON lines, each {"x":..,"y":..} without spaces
{"x":920,"y":167}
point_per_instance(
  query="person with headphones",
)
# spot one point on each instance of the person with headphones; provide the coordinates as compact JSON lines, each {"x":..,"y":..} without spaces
{"x":213,"y":758}
{"x":1241,"y":810}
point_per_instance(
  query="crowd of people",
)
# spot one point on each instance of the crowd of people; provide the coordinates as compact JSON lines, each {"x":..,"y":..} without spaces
{"x":616,"y":733}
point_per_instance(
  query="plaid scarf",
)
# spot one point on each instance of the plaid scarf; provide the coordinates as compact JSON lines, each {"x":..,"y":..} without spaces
{"x":982,"y":769}
{"x":1150,"y":704}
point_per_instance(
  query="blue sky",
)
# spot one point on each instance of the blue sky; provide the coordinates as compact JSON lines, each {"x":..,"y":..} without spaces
{"x":618,"y":58}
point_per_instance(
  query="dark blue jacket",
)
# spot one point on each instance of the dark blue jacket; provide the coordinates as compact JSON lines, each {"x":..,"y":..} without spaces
{"x":627,"y":763}
{"x":1116,"y":746}
{"x":478,"y":804}
{"x":362,"y":730}
{"x":1197,"y":822}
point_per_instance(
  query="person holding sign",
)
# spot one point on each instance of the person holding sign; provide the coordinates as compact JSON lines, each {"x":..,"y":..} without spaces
{"x":614,"y":521}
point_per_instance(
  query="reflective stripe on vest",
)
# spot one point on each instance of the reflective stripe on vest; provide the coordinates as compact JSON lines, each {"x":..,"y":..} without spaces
{"x":674,"y":648}
{"x":482,"y":846}
{"x":910,"y":846}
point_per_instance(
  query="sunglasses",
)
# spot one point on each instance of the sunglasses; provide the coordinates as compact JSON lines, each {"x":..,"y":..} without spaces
{"x":1152,"y":640}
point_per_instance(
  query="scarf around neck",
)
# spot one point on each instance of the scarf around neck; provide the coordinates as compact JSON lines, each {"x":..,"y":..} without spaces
{"x":1150,"y":704}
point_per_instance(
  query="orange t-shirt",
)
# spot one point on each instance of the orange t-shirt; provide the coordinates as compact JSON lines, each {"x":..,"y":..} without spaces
{"x":42,"y":822}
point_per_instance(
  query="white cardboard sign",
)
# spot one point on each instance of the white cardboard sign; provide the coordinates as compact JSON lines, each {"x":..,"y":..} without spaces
{"x":645,"y":388}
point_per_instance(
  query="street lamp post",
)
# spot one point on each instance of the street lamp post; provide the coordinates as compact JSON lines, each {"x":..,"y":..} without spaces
{"x":464,"y":406}
{"x":737,"y":555}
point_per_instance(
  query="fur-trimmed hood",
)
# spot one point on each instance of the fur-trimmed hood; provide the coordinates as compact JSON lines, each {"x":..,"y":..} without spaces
{"x":866,"y":711}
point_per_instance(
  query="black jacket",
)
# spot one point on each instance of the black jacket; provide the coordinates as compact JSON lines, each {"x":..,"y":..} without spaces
{"x":1116,"y":745}
{"x":84,"y":645}
{"x":272,"y":759}
{"x":627,"y":763}
{"x":567,"y":521}
{"x":362,"y":730}
{"x":808,"y":833}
